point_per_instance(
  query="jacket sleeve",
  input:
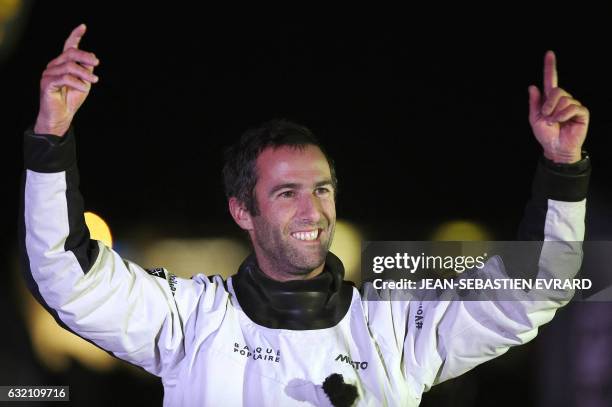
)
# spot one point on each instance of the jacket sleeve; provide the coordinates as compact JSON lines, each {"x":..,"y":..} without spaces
{"x":459,"y":335}
{"x":90,"y":290}
{"x":433,"y":341}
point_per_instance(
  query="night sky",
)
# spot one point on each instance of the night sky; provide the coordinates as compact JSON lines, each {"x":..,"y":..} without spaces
{"x":425,"y":124}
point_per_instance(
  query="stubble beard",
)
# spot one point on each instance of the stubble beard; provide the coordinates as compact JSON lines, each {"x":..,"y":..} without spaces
{"x":284,"y":254}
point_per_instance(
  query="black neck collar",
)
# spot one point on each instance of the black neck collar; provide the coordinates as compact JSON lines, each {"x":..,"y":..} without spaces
{"x":316,"y":303}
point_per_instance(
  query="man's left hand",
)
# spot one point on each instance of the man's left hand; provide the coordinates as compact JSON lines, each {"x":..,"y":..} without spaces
{"x":559,"y":122}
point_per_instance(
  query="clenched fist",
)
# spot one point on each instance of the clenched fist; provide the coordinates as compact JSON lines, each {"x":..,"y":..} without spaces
{"x":64,"y":86}
{"x":559,"y":122}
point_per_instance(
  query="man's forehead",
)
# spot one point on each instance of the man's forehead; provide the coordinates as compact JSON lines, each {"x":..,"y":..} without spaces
{"x":292,"y":162}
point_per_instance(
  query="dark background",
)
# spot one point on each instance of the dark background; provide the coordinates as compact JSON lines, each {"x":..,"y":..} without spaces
{"x":426,"y":118}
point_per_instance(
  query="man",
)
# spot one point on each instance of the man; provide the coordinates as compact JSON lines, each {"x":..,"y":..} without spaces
{"x":286,"y":329}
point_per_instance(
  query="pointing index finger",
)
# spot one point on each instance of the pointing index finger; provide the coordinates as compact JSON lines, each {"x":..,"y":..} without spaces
{"x":550,"y":72}
{"x":75,"y":37}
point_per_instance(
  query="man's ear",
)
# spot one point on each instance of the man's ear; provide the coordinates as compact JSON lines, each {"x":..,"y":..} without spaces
{"x":240,"y":214}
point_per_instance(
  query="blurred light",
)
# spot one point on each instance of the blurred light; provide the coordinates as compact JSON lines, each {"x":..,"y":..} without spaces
{"x":461,"y":230}
{"x":13,"y":20}
{"x":54,"y":346}
{"x":347,"y":246}
{"x":8,"y":11}
{"x":98,"y":229}
{"x":222,"y":256}
{"x":187,"y":257}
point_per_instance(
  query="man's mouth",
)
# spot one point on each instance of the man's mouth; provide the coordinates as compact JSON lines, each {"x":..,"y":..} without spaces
{"x":306,"y":235}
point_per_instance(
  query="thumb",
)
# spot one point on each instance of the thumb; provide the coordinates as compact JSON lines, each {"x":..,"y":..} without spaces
{"x":535,"y":98}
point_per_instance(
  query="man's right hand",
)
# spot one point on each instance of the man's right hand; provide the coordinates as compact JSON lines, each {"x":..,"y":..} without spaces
{"x":64,"y":86}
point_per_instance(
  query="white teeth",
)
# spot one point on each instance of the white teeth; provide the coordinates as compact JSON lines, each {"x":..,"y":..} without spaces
{"x":306,"y":235}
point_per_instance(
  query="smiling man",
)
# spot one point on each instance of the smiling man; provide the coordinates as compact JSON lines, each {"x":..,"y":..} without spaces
{"x":286,"y":329}
{"x":281,"y":190}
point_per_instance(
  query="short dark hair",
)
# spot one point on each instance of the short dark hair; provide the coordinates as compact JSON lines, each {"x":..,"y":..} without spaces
{"x":240,"y":171}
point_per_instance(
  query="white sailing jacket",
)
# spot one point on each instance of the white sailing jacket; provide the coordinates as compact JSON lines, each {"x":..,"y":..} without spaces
{"x":209,"y":351}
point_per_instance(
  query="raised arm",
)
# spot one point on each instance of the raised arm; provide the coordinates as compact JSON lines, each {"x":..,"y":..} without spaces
{"x":89,"y":288}
{"x":472,"y":332}
{"x":443,"y":339}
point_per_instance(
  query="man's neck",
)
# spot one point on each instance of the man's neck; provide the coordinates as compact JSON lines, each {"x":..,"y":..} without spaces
{"x":317,"y":303}
{"x":273,"y":272}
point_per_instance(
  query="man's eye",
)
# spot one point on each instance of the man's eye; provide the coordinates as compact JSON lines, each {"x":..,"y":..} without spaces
{"x":322,"y":191}
{"x":287,"y":194}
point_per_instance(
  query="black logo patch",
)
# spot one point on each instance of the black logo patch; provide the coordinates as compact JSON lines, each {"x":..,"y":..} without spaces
{"x":157,"y":272}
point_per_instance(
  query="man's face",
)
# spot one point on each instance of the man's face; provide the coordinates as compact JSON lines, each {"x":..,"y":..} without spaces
{"x":297,"y":212}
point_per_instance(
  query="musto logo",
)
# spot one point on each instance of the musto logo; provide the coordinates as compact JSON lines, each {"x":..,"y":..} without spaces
{"x":356,"y":365}
{"x":258,"y":353}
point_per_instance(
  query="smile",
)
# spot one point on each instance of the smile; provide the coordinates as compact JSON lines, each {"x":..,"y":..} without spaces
{"x":306,"y":235}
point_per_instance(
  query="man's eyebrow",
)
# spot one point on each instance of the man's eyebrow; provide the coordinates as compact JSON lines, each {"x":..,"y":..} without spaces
{"x":323,"y":183}
{"x":294,"y":185}
{"x":289,"y":185}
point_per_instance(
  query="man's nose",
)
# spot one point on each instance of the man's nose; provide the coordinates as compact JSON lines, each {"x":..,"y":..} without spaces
{"x":310,"y":209}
